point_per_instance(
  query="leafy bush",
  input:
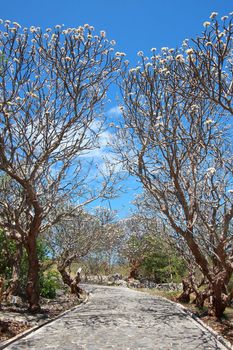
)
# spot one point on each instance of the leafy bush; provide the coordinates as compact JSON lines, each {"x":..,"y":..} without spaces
{"x":49,"y":282}
{"x":43,"y":252}
{"x":161,"y":262}
{"x":7,"y":249}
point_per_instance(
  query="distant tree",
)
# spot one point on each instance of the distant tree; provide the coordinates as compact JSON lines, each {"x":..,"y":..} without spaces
{"x":161,"y":262}
{"x":110,"y":239}
{"x":136,"y":243}
{"x":146,"y":246}
{"x":52,"y":88}
{"x":71,"y":240}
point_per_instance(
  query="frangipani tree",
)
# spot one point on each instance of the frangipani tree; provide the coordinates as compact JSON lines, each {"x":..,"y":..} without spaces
{"x":209,"y":65}
{"x":71,"y":240}
{"x":52,"y":88}
{"x":110,"y":238}
{"x":178,"y":146}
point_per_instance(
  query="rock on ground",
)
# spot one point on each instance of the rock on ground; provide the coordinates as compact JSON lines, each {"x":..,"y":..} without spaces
{"x":122,"y":319}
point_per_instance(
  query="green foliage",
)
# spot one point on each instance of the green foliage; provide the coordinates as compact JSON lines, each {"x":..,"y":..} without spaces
{"x":49,"y":282}
{"x":7,"y":249}
{"x":157,"y":260}
{"x":46,"y":282}
{"x":161,"y":262}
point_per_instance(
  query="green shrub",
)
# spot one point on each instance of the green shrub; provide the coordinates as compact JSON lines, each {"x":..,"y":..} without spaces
{"x":49,"y":282}
{"x":7,"y":251}
{"x":161,"y":262}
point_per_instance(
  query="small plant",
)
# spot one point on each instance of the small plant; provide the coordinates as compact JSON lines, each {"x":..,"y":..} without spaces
{"x":49,"y":282}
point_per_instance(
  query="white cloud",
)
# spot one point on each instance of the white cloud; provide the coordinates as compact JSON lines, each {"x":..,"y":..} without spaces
{"x":114,"y":112}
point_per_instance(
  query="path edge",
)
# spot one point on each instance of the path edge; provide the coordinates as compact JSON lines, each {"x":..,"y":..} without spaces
{"x":219,"y":337}
{"x":19,"y":336}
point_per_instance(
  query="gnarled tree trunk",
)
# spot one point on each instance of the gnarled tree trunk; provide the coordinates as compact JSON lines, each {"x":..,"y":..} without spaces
{"x":14,"y":285}
{"x":184,"y":297}
{"x":72,"y":283}
{"x":1,"y":289}
{"x":135,"y":264}
{"x":33,"y":275}
{"x":219,"y":298}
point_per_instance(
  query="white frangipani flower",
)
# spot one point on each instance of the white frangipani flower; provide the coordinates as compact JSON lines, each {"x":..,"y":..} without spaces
{"x":209,"y":121}
{"x":189,"y":51}
{"x":32,"y":94}
{"x":211,"y":170}
{"x":159,"y":125}
{"x":102,"y":34}
{"x":163,"y":70}
{"x":213,"y":15}
{"x":32,"y":29}
{"x":180,"y":58}
{"x":16,"y":24}
{"x":194,"y":107}
{"x":120,"y":54}
{"x":140,"y":53}
{"x":206,"y":24}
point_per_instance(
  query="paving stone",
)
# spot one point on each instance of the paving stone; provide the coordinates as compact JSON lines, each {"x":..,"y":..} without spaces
{"x":121,"y":319}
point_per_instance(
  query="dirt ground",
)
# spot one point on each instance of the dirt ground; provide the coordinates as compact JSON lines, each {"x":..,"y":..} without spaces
{"x":223,"y":326}
{"x":15,"y":318}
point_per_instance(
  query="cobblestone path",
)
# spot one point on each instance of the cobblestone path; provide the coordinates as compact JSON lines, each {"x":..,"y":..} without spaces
{"x":122,"y":319}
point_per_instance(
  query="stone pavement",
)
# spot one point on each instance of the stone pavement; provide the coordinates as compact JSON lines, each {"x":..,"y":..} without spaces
{"x":122,"y":319}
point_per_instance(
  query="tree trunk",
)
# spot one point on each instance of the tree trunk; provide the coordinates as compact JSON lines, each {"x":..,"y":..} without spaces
{"x":33,"y":275}
{"x":66,"y":278}
{"x":184,"y":297}
{"x":73,"y":283}
{"x":134,"y":269}
{"x":14,"y":286}
{"x":1,"y":289}
{"x":200,"y":299}
{"x":218,"y":302}
{"x":217,"y":308}
{"x":75,"y":289}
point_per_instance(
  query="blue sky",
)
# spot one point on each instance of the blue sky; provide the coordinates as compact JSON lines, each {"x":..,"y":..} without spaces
{"x":134,"y":24}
